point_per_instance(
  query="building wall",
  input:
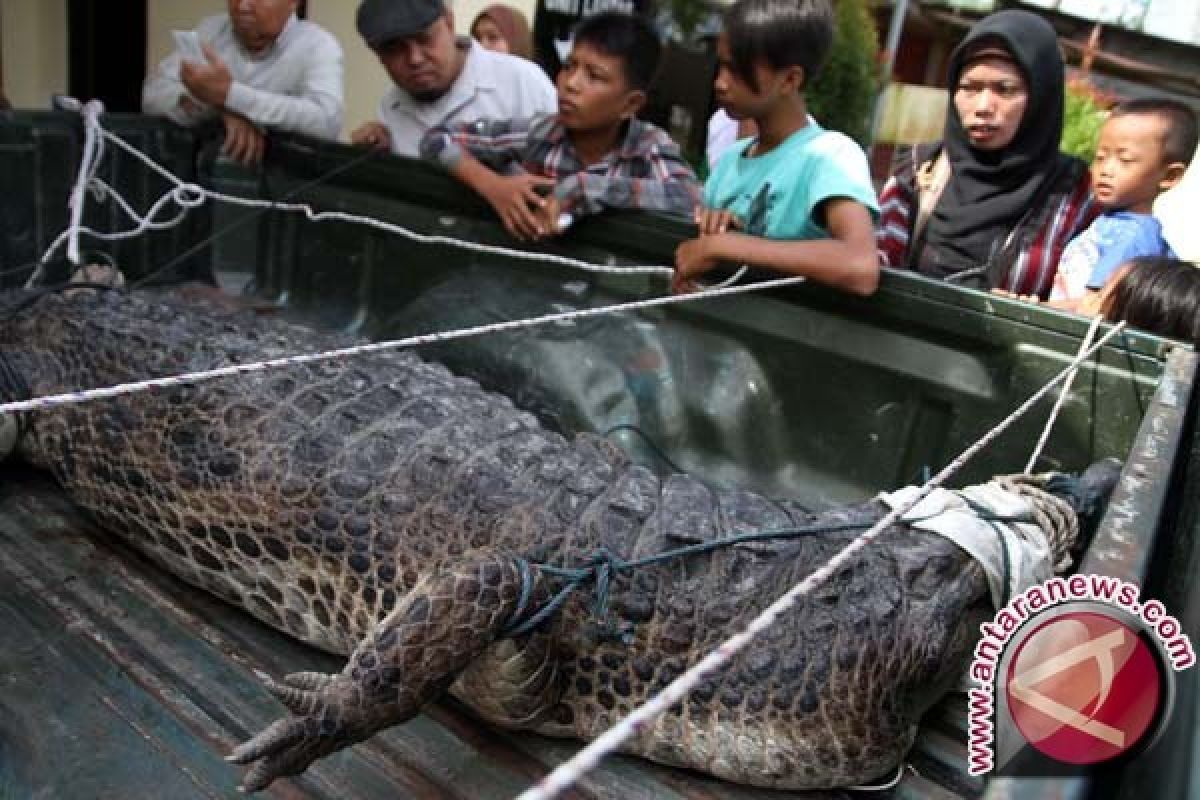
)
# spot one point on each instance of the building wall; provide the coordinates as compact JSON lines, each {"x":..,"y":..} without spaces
{"x":34,"y":49}
{"x":164,"y":16}
{"x":365,"y":79}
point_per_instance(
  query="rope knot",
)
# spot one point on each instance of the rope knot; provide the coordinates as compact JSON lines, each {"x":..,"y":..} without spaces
{"x":189,"y":195}
{"x":1053,"y":515}
{"x":598,"y":567}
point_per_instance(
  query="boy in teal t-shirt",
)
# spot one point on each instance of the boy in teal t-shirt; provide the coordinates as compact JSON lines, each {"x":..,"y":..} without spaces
{"x":776,"y":194}
{"x":796,"y":198}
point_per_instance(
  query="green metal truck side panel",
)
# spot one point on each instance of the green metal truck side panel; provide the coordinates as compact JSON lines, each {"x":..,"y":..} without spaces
{"x":806,"y":392}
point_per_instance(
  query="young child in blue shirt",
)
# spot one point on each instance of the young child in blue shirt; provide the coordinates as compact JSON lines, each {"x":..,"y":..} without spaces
{"x":795,"y":198}
{"x":1144,"y":148}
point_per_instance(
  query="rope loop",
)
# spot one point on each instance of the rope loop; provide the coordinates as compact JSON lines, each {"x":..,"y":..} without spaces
{"x":1053,"y":515}
{"x":189,"y":195}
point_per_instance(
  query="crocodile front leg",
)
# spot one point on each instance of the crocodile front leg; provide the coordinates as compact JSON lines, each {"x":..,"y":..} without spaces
{"x":409,"y":658}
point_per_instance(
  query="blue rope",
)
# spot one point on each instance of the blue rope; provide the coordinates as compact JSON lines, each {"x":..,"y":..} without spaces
{"x":603,"y":563}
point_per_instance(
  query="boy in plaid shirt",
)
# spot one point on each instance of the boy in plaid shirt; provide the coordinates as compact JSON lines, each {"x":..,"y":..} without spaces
{"x":592,"y":155}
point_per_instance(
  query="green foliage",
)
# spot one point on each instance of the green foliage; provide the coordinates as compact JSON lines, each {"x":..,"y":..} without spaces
{"x":841,"y":97}
{"x":688,"y":14}
{"x":1086,"y":109}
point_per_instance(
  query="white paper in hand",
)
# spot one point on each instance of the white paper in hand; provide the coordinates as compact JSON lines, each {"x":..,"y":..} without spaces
{"x":188,"y":45}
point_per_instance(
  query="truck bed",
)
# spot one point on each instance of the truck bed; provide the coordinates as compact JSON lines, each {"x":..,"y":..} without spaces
{"x":117,"y":680}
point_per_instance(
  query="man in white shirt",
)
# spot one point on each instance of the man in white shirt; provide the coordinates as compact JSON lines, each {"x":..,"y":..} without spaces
{"x":441,"y":78}
{"x":263,"y":68}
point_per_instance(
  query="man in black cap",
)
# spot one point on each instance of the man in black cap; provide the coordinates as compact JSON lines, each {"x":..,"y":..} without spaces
{"x":441,"y":78}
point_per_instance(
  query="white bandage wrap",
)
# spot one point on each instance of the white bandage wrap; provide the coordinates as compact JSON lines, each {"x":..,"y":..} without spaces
{"x":1014,"y":555}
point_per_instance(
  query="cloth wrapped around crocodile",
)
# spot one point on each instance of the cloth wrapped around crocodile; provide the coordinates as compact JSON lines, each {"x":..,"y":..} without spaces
{"x":385,"y":509}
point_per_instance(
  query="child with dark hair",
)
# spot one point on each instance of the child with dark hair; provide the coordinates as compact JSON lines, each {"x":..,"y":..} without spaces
{"x":593,"y":154}
{"x":794,"y":198}
{"x":1154,"y":293}
{"x":1144,"y":149}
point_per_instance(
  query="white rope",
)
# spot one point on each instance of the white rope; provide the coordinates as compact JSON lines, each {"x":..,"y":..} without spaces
{"x":1062,"y":396}
{"x":732,"y":279}
{"x":93,"y":151}
{"x":190,"y":195}
{"x":185,"y":195}
{"x":179,"y":195}
{"x":89,"y":163}
{"x":882,"y":787}
{"x":636,"y":721}
{"x":74,"y":398}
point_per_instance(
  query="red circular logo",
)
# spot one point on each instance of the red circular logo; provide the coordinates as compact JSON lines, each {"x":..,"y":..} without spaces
{"x":1084,"y":688}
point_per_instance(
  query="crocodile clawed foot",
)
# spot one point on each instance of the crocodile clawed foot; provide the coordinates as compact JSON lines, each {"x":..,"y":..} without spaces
{"x":328,"y":712}
{"x":409,"y":658}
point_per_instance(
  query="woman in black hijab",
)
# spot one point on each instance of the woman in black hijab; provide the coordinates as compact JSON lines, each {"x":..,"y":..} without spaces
{"x":993,"y":205}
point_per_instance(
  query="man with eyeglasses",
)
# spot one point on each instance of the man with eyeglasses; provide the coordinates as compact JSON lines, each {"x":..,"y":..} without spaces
{"x":440,"y":78}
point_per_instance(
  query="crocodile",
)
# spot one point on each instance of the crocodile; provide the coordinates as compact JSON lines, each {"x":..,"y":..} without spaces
{"x":384,"y":509}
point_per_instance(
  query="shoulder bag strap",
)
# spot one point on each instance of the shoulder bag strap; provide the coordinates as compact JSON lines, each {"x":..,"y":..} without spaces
{"x":930,"y":179}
